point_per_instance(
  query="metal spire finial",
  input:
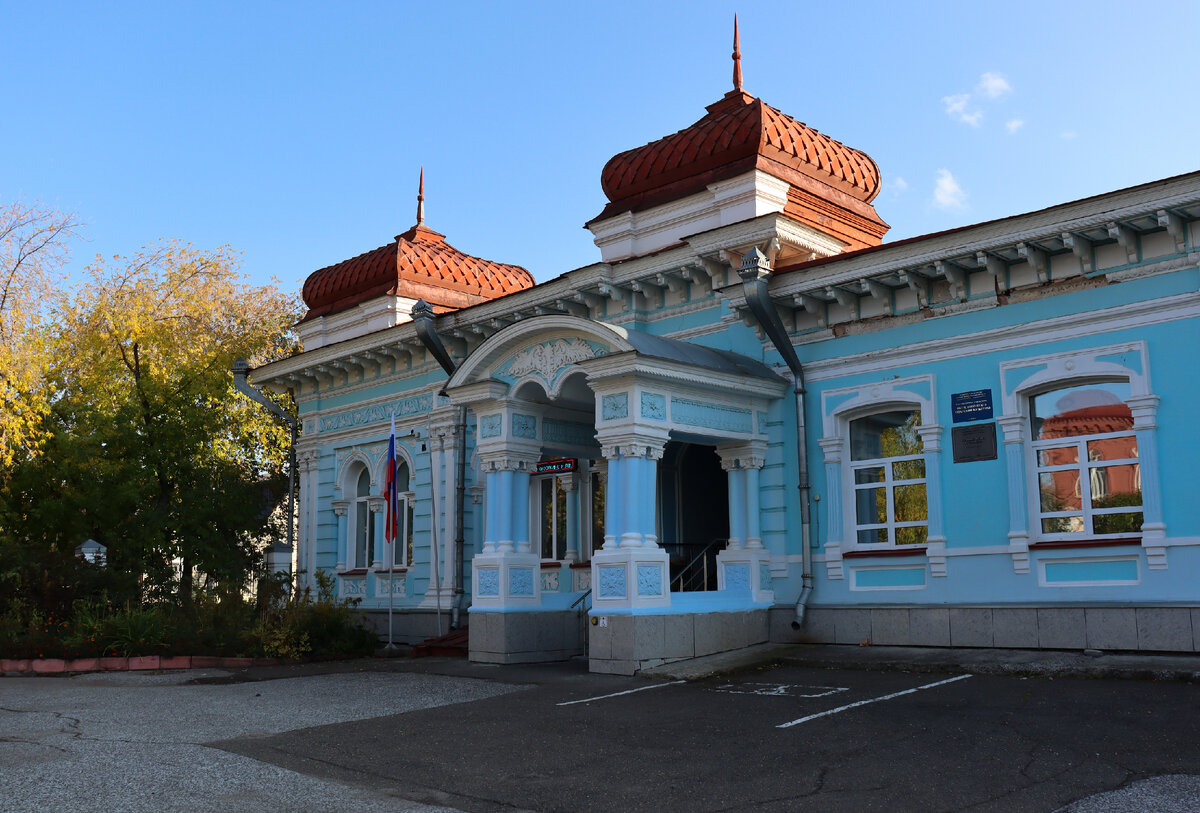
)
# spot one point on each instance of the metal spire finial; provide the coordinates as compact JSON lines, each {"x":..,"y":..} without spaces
{"x":421,"y":199}
{"x":737,"y":57}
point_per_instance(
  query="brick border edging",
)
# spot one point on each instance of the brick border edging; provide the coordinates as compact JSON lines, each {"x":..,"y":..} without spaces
{"x":144,"y":663}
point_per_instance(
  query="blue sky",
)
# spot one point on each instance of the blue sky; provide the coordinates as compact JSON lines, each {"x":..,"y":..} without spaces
{"x":295,"y":131}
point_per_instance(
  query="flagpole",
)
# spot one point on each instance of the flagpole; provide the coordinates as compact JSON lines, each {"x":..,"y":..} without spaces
{"x":391,"y":526}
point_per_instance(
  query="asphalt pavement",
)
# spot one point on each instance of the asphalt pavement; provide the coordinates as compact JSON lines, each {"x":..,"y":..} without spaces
{"x":792,"y":728}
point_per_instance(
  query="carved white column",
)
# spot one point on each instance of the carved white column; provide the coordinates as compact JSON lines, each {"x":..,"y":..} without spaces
{"x":378,"y":519}
{"x":307,"y":461}
{"x":744,"y":566}
{"x":570,"y":485}
{"x":931,"y":441}
{"x":1014,"y":428}
{"x":340,"y":507}
{"x":835,"y":534}
{"x":1154,"y":529}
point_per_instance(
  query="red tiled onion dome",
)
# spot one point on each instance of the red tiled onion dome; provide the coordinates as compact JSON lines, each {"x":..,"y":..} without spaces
{"x":419,"y":265}
{"x":739,"y":133}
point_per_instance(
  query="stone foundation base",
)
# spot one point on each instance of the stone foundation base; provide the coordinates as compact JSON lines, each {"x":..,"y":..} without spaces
{"x":526,"y":637}
{"x":410,"y":626}
{"x":623,"y":644}
{"x":1135,"y":629}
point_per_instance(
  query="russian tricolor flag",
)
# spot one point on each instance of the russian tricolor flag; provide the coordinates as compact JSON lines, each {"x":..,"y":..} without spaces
{"x":393,"y":507}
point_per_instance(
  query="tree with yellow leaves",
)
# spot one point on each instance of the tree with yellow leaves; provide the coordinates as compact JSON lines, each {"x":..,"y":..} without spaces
{"x":150,"y":449}
{"x":34,"y":240}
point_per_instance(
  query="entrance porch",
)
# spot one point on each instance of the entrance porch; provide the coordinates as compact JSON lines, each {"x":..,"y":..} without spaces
{"x":581,"y":515}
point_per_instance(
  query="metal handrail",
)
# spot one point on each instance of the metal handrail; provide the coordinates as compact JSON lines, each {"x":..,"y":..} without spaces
{"x":581,"y":598}
{"x":683,"y":573}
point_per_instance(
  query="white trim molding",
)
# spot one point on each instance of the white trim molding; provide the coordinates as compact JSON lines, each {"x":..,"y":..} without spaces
{"x":1022,"y":378}
{"x":838,"y":408}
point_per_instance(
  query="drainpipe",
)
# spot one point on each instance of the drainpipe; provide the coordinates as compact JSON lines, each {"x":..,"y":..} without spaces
{"x":241,"y":369}
{"x":755,"y":271}
{"x":424,"y":321}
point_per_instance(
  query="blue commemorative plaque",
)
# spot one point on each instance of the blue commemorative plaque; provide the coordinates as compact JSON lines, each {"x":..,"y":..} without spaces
{"x":975,"y":405}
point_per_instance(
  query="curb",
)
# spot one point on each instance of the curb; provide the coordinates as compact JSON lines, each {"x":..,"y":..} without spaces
{"x":142,"y":663}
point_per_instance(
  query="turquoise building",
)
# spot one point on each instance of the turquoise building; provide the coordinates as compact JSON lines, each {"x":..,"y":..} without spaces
{"x":754,"y":420}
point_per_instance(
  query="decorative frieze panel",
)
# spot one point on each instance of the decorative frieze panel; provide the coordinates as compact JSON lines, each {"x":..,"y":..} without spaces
{"x":654,"y":406}
{"x":614,"y":407}
{"x":649,"y":580}
{"x":488,"y":581}
{"x":711,"y":416}
{"x":612,"y":581}
{"x":524,"y":426}
{"x":378,"y":413}
{"x":398,"y":584}
{"x":549,"y":359}
{"x":520,"y":581}
{"x":568,"y":433}
{"x":489,"y":426}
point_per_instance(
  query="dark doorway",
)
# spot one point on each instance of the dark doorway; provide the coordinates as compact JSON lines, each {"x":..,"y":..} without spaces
{"x":695,"y":513}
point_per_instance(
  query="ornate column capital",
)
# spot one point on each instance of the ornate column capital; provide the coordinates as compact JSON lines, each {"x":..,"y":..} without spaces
{"x":1145,"y":410}
{"x":340,"y":507}
{"x":633,"y":444}
{"x":377,"y":504}
{"x":307,"y":459}
{"x":931,"y":437}
{"x":749,"y":455}
{"x":507,"y":460}
{"x":1013,"y":427}
{"x":833,"y":448}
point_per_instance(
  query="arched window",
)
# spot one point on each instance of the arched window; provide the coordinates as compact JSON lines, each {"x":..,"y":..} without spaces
{"x":887,"y":464}
{"x":363,"y":541}
{"x":403,"y":550}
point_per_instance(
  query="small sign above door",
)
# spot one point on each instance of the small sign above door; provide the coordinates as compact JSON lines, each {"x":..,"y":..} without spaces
{"x":555,"y":466}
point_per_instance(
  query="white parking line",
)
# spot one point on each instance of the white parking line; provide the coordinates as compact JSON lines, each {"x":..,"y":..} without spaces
{"x":872,"y":700}
{"x":618,"y":694}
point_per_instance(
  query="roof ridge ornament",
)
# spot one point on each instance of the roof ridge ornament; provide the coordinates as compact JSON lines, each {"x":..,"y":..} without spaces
{"x":737,"y":57}
{"x":421,"y":199}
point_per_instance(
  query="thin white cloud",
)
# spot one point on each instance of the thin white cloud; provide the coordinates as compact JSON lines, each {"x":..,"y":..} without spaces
{"x":958,"y":108}
{"x":993,"y":85}
{"x":1012,"y":125}
{"x":1068,"y":135}
{"x":947,"y":194}
{"x":898,"y":185}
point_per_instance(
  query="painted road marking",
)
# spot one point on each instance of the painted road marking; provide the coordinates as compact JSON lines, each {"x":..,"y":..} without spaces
{"x":779,"y":689}
{"x":618,"y":694}
{"x":871,"y":700}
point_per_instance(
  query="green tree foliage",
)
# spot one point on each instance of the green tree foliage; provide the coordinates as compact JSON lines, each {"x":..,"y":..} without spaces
{"x":148,"y":447}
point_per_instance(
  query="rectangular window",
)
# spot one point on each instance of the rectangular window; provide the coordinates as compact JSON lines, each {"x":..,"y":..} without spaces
{"x":402,"y":551}
{"x":552,"y":516}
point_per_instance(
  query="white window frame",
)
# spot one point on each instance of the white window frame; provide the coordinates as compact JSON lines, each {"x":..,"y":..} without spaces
{"x":366,"y":502}
{"x":1021,"y":379}
{"x":1085,"y":468}
{"x":889,"y":485}
{"x":406,"y":508}
{"x":535,"y":514}
{"x":841,"y":406}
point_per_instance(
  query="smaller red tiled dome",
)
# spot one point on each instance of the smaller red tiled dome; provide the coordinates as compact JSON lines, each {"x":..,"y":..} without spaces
{"x":419,"y":265}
